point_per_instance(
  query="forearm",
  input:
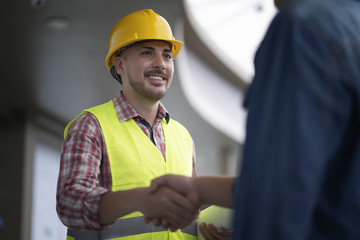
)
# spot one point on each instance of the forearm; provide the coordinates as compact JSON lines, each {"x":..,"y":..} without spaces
{"x":164,"y":203}
{"x":216,"y":190}
{"x":114,"y":205}
{"x":77,"y":207}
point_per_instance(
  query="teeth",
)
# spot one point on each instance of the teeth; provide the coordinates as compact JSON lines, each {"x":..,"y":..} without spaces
{"x":155,"y":77}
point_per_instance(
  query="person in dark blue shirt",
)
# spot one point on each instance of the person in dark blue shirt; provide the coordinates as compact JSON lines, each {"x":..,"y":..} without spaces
{"x":300,"y":175}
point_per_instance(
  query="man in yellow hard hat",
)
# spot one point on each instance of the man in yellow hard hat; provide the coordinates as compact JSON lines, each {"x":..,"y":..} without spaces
{"x":111,"y":152}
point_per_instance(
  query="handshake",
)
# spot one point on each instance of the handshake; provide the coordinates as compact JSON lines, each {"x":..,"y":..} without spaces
{"x":174,"y":201}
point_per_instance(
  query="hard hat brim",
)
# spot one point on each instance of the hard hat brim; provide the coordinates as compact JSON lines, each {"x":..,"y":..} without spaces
{"x":176,"y":47}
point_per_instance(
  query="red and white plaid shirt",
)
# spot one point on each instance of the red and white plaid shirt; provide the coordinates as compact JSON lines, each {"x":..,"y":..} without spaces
{"x":84,"y":168}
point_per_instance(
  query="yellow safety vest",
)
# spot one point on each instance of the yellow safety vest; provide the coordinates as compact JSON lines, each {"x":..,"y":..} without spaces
{"x":134,"y":162}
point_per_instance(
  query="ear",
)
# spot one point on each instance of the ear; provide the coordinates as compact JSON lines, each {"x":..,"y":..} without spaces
{"x":119,"y":65}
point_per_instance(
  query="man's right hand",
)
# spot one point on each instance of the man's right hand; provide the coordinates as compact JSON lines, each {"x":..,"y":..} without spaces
{"x":173,"y":208}
{"x":181,"y":184}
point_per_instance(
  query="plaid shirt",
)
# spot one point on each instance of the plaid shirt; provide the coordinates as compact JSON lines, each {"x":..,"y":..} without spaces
{"x":84,"y":168}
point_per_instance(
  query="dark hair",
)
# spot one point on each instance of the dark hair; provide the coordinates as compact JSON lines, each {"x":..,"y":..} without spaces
{"x":115,"y":74}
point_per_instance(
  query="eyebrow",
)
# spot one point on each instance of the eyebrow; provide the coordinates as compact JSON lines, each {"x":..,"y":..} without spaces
{"x":153,"y":49}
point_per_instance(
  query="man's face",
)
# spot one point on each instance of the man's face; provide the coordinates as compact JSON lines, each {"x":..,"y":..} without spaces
{"x":146,"y":70}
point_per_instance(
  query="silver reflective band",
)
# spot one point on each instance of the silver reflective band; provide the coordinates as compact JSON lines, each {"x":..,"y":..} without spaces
{"x":124,"y":227}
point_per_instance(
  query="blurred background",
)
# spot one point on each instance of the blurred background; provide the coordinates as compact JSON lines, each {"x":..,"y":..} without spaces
{"x":53,"y":67}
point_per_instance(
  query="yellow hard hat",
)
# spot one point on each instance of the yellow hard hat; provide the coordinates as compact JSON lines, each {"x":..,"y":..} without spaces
{"x":137,"y":26}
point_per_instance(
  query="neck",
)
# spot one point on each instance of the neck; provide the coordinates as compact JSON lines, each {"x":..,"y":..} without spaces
{"x":147,"y":108}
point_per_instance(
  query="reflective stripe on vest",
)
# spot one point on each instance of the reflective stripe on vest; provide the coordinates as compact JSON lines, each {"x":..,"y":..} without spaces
{"x":140,"y":162}
{"x":131,"y":226}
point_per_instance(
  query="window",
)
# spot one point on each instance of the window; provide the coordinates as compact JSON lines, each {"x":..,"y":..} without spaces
{"x":45,"y":224}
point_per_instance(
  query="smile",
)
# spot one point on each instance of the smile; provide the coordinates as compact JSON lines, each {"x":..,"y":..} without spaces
{"x":155,"y":77}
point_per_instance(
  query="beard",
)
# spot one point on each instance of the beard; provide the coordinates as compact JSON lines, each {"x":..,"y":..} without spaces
{"x":146,"y":92}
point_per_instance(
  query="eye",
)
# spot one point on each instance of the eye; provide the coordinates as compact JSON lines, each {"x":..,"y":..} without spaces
{"x":167,"y":56}
{"x":146,"y":53}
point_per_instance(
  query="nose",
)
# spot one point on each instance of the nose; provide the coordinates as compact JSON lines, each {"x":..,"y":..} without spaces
{"x":159,"y":61}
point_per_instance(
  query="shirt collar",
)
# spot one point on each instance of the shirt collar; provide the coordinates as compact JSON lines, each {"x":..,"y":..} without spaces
{"x":125,"y":111}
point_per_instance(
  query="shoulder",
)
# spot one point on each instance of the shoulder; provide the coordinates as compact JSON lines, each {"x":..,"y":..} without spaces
{"x":331,"y":17}
{"x":99,"y":109}
{"x":179,"y":128}
{"x":334,"y":23}
{"x":84,"y":123}
{"x":174,"y":123}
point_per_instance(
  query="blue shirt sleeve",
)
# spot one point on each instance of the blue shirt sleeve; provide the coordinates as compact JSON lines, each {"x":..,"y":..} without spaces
{"x":295,"y":102}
